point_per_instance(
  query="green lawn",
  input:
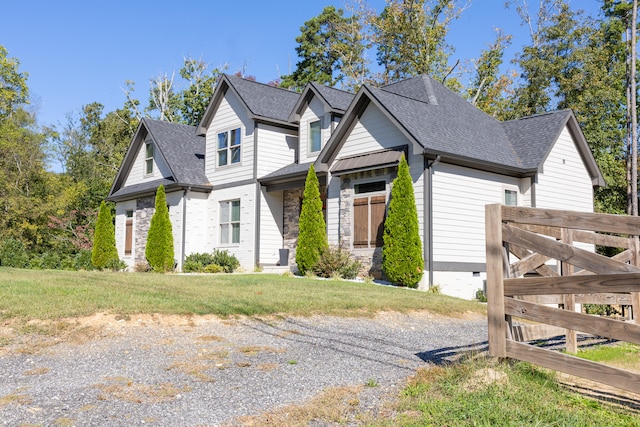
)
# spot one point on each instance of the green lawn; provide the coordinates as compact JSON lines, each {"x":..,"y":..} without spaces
{"x":52,"y":294}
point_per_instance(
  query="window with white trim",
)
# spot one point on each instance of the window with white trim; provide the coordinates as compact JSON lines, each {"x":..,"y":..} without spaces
{"x":230,"y":222}
{"x":315,"y":137}
{"x":369,"y":209}
{"x":228,"y":150}
{"x":148,"y":158}
{"x":128,"y":234}
{"x":510,"y":197}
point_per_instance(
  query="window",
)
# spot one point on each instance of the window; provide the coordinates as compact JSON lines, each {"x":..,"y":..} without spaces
{"x":369,"y":208}
{"x":128,"y":234}
{"x":315,"y":140}
{"x":148,"y":159}
{"x":230,"y":222}
{"x":510,"y":197}
{"x":229,"y":147}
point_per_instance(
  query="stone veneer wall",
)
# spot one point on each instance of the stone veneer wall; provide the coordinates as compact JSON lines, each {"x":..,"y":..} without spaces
{"x":145,"y":208}
{"x":371,"y":259}
{"x":291,"y":216}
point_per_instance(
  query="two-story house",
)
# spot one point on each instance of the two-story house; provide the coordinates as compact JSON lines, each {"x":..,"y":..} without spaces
{"x":236,"y":181}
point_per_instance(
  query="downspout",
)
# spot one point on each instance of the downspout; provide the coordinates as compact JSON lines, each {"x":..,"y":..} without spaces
{"x":184,"y":226}
{"x":428,"y":201}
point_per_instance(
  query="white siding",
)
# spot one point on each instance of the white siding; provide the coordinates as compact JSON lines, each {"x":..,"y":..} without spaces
{"x":314,"y":111}
{"x":174,"y":200}
{"x":231,"y":114}
{"x":271,"y":226}
{"x":459,"y":198}
{"x":276,"y":148}
{"x":564,"y":182}
{"x":137,"y":174}
{"x":333,"y":210}
{"x":373,"y":132}
{"x":197,"y":224}
{"x":120,"y":224}
{"x":245,"y":250}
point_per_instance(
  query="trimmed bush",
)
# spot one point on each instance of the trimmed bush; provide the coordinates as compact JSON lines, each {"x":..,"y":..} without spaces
{"x":14,"y":254}
{"x":82,"y":261}
{"x":159,"y":250}
{"x":104,"y":239}
{"x":213,"y":268}
{"x":402,"y":260}
{"x":227,"y":261}
{"x":47,"y":261}
{"x":312,"y":237}
{"x":336,"y":262}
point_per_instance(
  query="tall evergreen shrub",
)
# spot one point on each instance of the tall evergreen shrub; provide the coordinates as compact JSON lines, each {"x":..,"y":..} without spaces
{"x":312,"y":237}
{"x":402,"y":260}
{"x":104,"y":252}
{"x":159,"y":250}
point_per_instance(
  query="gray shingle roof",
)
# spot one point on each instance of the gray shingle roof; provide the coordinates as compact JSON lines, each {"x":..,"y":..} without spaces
{"x":530,"y":136}
{"x":264,"y":100}
{"x":182,"y":149}
{"x":143,"y":187}
{"x":293,"y":170}
{"x":336,"y":98}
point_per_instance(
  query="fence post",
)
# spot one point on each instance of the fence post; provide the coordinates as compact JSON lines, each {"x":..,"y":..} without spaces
{"x":495,"y":286}
{"x":569,"y":300}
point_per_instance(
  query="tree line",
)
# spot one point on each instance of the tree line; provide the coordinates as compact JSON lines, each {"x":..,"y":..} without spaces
{"x":571,"y":60}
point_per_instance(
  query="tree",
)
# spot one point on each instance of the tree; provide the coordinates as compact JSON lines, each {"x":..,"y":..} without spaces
{"x":489,"y":88}
{"x":312,"y":237}
{"x":410,"y":37}
{"x":402,"y":260}
{"x":104,"y":252}
{"x":159,"y":250}
{"x":328,"y":45}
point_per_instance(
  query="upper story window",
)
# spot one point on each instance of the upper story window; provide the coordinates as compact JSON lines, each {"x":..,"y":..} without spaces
{"x":315,"y":140}
{"x":148,"y":158}
{"x":229,"y":147}
{"x":510,"y":197}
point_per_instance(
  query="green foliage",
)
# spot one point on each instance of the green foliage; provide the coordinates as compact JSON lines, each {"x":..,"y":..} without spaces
{"x":402,"y":260}
{"x":13,"y":254}
{"x":47,"y":261}
{"x":600,"y":309}
{"x":82,"y":260}
{"x":312,"y":238}
{"x":481,"y":296}
{"x":104,"y":249}
{"x":159,"y":249}
{"x":323,"y":44}
{"x":227,"y":261}
{"x":336,"y":261}
{"x":218,"y":262}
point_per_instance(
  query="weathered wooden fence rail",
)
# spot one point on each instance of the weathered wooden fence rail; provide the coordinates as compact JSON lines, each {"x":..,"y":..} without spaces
{"x":525,"y":240}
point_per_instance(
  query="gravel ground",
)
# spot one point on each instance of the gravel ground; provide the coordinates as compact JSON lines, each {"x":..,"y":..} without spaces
{"x":187,"y":371}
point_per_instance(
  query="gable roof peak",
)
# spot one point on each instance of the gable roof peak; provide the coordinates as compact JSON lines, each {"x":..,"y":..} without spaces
{"x":419,"y":88}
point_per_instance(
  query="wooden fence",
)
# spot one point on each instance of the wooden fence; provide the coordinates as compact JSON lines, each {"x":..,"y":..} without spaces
{"x":522,"y":241}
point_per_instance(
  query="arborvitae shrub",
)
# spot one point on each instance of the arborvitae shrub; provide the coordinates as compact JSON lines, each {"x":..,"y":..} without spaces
{"x":402,"y":260}
{"x":312,"y":237}
{"x":104,"y":250}
{"x":159,"y":250}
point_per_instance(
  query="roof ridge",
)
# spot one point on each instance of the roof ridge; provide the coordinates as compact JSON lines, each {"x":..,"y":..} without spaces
{"x":332,"y":88}
{"x":399,"y":94}
{"x":263,"y":84}
{"x":533,"y":116}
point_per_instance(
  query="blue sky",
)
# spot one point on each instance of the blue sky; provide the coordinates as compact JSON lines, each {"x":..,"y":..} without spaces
{"x":78,"y":52}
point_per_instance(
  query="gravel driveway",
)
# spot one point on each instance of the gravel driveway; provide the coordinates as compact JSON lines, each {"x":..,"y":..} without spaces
{"x":194,"y":371}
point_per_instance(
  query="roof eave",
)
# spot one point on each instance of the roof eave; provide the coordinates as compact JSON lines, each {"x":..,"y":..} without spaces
{"x":198,"y":188}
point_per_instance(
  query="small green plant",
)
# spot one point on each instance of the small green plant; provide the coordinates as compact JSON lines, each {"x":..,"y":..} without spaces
{"x":214,"y":268}
{"x":82,"y":260}
{"x":337,"y":263}
{"x":601,"y":309}
{"x":481,"y":296}
{"x":142,"y":267}
{"x":293,"y":362}
{"x":227,"y":261}
{"x":372,"y":382}
{"x":116,"y":265}
{"x":434,"y":289}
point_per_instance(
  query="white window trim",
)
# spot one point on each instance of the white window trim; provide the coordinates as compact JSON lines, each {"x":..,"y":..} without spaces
{"x":514,"y":188}
{"x":309,"y":152}
{"x":148,"y":144}
{"x":230,"y":243}
{"x":228,"y":149}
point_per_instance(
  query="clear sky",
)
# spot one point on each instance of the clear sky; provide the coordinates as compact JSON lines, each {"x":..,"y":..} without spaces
{"x":78,"y":52}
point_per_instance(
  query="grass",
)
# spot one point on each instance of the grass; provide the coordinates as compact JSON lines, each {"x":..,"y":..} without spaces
{"x":54,"y":295}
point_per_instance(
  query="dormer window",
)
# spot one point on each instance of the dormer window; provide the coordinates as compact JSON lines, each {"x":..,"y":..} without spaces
{"x":148,"y":158}
{"x":229,"y":147}
{"x":315,"y":140}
